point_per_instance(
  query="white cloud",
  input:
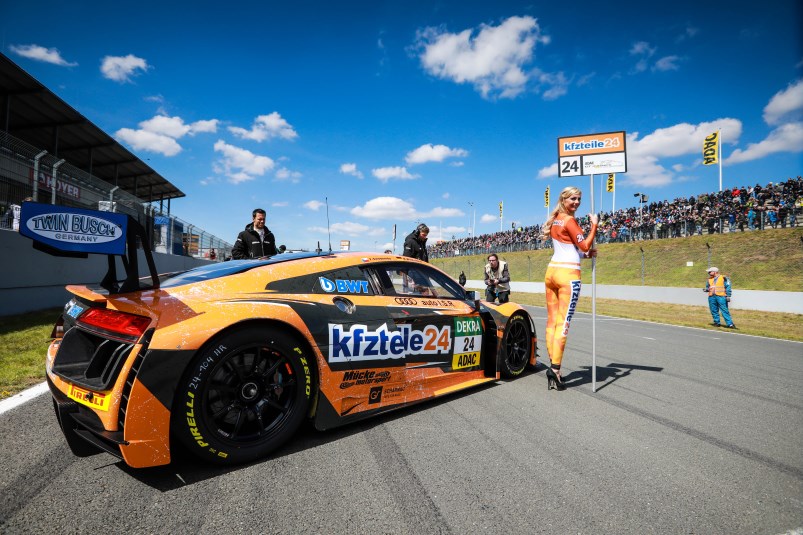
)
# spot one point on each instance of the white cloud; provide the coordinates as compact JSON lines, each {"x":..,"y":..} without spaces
{"x":668,"y":63}
{"x":397,"y":209}
{"x":349,"y":228}
{"x":122,"y":68}
{"x":386,"y":208}
{"x":549,"y":171}
{"x":688,"y":33}
{"x":240,"y":165}
{"x":40,"y":53}
{"x":280,"y":204}
{"x":642,"y":48}
{"x":492,"y":59}
{"x":556,"y":84}
{"x":350,"y":169}
{"x":436,"y":232}
{"x":446,"y":195}
{"x":266,"y":127}
{"x":387,"y":173}
{"x":207,"y":126}
{"x":313,"y":205}
{"x":148,"y":141}
{"x":785,"y":138}
{"x":487,"y":218}
{"x":785,"y":104}
{"x":433,"y":153}
{"x":159,"y":133}
{"x":286,"y":174}
{"x":443,"y":212}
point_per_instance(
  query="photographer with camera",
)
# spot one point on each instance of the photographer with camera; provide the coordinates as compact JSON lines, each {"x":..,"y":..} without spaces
{"x":497,"y":280}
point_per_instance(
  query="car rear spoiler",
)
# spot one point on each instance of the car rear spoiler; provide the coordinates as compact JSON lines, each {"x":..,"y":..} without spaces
{"x":70,"y":232}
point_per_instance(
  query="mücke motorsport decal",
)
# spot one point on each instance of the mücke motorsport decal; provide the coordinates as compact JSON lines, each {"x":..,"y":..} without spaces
{"x":343,"y":286}
{"x":467,"y":343}
{"x":358,"y":343}
{"x":74,"y":229}
{"x":363,"y":378}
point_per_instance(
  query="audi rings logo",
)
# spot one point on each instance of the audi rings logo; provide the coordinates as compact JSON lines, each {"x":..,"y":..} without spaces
{"x":406,"y":301}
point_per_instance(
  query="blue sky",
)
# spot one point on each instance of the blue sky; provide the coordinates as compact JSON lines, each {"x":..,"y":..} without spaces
{"x":400,"y":112}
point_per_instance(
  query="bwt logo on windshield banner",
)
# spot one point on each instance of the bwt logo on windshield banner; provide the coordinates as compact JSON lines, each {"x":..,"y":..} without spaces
{"x":74,"y":229}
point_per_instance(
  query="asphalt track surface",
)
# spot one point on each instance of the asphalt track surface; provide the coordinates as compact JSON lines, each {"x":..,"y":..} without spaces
{"x":690,"y":431}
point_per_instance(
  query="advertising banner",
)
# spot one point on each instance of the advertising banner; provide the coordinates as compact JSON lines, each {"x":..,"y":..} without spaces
{"x":74,"y":229}
{"x":592,"y":154}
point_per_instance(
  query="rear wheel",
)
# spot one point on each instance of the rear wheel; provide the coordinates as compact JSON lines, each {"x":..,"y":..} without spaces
{"x":243,"y":396}
{"x":516,"y":346}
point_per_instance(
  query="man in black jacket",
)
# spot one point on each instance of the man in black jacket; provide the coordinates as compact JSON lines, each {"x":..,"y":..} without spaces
{"x":256,"y":240}
{"x":415,"y":244}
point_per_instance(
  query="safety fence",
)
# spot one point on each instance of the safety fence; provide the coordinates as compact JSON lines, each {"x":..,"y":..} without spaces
{"x":60,"y":183}
{"x":529,"y":238}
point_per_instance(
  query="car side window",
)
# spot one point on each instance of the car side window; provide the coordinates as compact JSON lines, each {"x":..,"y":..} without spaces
{"x":422,"y":281}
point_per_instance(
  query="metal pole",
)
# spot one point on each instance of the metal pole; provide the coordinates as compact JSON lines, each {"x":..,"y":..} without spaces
{"x":642,"y":265}
{"x":36,"y":174}
{"x":593,"y":307}
{"x":55,"y":171}
{"x":709,"y":253}
{"x":529,"y":272}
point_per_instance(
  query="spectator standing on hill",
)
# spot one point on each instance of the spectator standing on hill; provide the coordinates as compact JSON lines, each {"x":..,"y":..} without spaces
{"x":497,"y":280}
{"x":718,"y":288}
{"x":256,"y":240}
{"x":415,"y":244}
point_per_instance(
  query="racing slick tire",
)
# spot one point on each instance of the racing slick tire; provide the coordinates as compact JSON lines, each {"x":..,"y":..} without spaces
{"x":515,"y":352}
{"x":243,"y":396}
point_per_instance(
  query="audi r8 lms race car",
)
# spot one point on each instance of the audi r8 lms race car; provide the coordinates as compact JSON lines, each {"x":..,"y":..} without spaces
{"x":230,"y":358}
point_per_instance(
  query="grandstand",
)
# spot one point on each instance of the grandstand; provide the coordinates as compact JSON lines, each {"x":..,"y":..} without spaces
{"x":744,"y":209}
{"x":76,"y":164}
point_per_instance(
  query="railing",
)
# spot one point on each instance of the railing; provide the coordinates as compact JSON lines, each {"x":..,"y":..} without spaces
{"x":509,"y":241}
{"x":61,"y":183}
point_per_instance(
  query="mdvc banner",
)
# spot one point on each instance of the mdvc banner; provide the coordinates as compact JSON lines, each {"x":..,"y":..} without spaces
{"x":74,"y":229}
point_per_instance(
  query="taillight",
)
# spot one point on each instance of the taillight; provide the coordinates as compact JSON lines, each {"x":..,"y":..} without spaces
{"x":128,"y":327}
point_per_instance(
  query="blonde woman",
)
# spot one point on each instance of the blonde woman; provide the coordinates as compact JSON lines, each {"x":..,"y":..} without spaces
{"x":563,"y":281}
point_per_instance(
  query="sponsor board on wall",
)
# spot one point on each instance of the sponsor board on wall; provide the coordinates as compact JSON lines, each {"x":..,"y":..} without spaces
{"x":74,"y":229}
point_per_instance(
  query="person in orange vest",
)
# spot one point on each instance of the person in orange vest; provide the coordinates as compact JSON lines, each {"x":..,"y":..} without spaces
{"x":718,"y":288}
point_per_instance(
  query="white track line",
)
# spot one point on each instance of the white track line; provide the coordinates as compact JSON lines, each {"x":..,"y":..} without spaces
{"x":23,"y":397}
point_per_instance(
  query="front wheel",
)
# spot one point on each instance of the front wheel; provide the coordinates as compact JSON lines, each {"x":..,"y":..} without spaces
{"x":243,"y":396}
{"x":516,"y":346}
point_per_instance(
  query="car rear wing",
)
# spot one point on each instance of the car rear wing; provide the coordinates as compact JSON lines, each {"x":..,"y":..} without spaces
{"x":77,"y":232}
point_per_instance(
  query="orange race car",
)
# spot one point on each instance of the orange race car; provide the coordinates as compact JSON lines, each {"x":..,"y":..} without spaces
{"x":230,"y":358}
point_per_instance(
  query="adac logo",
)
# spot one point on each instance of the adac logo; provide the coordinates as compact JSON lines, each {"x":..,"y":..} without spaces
{"x":343,"y":286}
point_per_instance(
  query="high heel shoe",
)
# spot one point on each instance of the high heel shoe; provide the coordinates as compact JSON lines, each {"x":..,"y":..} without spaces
{"x":554,"y":380}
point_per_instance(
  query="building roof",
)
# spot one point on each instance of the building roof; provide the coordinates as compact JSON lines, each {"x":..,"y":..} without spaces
{"x":31,"y":112}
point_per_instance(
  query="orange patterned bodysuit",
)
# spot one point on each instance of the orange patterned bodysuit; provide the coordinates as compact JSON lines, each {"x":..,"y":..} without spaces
{"x":563,"y":281}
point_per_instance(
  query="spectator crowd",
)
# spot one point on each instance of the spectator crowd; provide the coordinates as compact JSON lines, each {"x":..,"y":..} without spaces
{"x":776,"y":205}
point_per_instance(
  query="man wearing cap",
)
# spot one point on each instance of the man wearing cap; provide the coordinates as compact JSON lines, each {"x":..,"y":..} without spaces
{"x":718,"y":288}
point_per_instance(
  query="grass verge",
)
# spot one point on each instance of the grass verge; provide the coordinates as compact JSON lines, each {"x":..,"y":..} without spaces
{"x":24,"y":338}
{"x":771,"y":324}
{"x":23,"y":345}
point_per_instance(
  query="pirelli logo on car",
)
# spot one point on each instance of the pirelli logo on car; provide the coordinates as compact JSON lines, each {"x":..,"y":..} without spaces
{"x":89,"y":398}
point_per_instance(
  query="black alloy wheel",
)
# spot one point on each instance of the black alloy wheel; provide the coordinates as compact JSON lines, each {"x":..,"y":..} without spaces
{"x":243,"y":396}
{"x":516,"y":346}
